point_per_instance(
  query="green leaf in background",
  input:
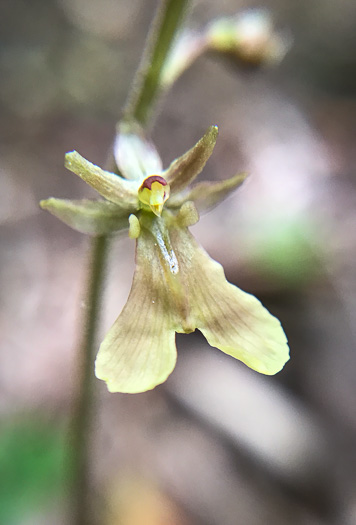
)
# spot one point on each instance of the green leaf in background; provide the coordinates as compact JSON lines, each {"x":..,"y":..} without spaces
{"x":284,"y":252}
{"x":32,"y":468}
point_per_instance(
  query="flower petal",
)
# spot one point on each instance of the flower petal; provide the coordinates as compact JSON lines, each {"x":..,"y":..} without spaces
{"x":139,"y":351}
{"x":136,"y":157}
{"x":114,"y":188}
{"x":230,"y":319}
{"x":86,"y":216}
{"x":206,"y":195}
{"x":186,"y":168}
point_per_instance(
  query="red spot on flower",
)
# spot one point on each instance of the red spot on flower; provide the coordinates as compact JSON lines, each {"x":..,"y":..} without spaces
{"x":147,"y":183}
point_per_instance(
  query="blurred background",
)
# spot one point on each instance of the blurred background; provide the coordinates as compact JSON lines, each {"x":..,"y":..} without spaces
{"x":217,"y":444}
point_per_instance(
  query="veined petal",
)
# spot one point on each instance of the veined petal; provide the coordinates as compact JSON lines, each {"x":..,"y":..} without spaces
{"x":186,"y":168}
{"x":136,"y":156}
{"x":230,"y":319}
{"x":114,"y":188}
{"x":206,"y":195}
{"x":139,"y":351}
{"x":86,"y":216}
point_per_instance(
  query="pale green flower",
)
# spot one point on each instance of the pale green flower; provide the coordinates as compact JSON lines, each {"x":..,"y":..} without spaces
{"x":177,"y":287}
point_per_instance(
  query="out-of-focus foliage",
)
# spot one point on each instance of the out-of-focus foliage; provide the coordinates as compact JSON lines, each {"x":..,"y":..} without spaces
{"x":32,"y":468}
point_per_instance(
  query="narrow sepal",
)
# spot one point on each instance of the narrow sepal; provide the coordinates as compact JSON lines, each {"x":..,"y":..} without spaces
{"x":206,"y":195}
{"x":114,"y":188}
{"x":230,"y":319}
{"x":139,"y":351}
{"x":86,"y":216}
{"x":135,"y":155}
{"x":186,"y":168}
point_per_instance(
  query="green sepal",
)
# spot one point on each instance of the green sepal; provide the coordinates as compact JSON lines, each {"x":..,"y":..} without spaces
{"x":86,"y":216}
{"x":186,"y":168}
{"x":110,"y":186}
{"x":135,"y":155}
{"x":206,"y":195}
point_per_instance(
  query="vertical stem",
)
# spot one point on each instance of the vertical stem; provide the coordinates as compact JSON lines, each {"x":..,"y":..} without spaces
{"x":144,"y":93}
{"x":147,"y":83}
{"x":82,"y":411}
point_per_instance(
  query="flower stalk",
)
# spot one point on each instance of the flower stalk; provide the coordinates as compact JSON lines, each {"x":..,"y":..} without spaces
{"x":139,"y":107}
{"x":148,"y":81}
{"x":82,"y":510}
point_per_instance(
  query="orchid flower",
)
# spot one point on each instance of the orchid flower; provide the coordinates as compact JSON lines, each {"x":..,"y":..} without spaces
{"x":176,"y":287}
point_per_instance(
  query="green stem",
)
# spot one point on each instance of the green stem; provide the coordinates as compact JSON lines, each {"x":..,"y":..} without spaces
{"x":139,"y":107}
{"x":147,"y":83}
{"x":82,"y":412}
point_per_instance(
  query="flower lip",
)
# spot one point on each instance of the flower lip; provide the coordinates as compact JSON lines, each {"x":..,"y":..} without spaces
{"x":147,"y":183}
